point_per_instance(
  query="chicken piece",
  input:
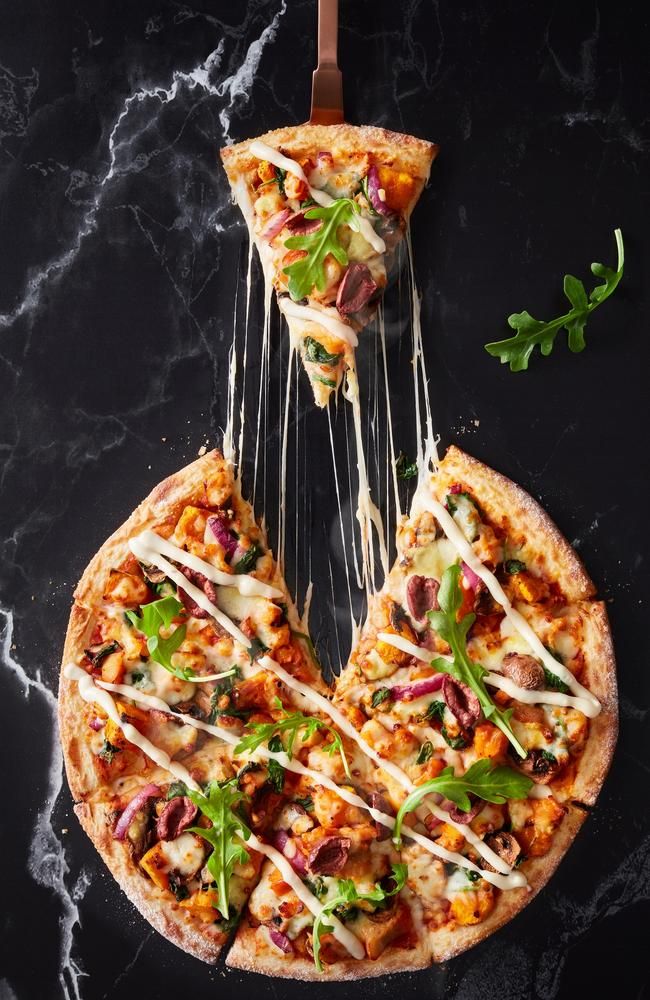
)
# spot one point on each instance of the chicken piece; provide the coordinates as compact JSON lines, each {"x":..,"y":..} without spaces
{"x":534,"y":821}
{"x":332,"y":811}
{"x":126,"y":589}
{"x":377,"y":930}
{"x":473,"y":906}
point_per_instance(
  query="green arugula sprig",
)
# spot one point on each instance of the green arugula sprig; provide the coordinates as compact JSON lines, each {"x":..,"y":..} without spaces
{"x":404,"y":468}
{"x":531,"y":333}
{"x":462,"y":667}
{"x":309,"y":271}
{"x":289,"y":726}
{"x":226,"y":834}
{"x":493,"y":783}
{"x":347,"y":897}
{"x":153,"y":617}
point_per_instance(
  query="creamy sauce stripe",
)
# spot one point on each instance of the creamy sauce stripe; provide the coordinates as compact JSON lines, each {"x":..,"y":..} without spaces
{"x":541,"y":697}
{"x":91,"y":692}
{"x":517,"y":879}
{"x":502,"y":881}
{"x":463,"y":547}
{"x":326,"y":318}
{"x":264,"y":152}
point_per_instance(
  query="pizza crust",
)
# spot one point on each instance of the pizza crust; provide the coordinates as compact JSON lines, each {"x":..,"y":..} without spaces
{"x":405,"y":152}
{"x":245,"y":954}
{"x":447,"y":943}
{"x":165,"y":916}
{"x":498,"y":495}
{"x":166,"y":500}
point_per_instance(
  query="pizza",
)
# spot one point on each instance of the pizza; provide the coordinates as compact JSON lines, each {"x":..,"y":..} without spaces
{"x":387,"y":823}
{"x":326,"y":206}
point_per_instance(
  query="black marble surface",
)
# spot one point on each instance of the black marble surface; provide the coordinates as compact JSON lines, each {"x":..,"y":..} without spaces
{"x":120,"y":259}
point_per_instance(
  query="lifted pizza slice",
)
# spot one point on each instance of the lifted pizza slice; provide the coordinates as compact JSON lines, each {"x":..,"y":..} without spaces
{"x":326,"y":206}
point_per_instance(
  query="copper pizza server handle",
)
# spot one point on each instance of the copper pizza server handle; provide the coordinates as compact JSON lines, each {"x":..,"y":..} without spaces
{"x":327,"y":83}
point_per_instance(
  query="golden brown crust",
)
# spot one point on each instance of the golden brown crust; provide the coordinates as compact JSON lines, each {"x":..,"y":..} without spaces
{"x":415,"y":156}
{"x":167,"y":917}
{"x":498,"y":495}
{"x":447,"y":943}
{"x":165,"y":500}
{"x":600,"y":677}
{"x":245,"y":954}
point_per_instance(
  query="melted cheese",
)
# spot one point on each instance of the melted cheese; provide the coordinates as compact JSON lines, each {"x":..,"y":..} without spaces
{"x":325,"y":317}
{"x":455,"y":535}
{"x":264,"y":152}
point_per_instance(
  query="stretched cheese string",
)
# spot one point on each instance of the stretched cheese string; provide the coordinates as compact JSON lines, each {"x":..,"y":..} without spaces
{"x":537,"y":697}
{"x":91,"y":692}
{"x":264,"y":152}
{"x":386,"y":765}
{"x":463,"y":547}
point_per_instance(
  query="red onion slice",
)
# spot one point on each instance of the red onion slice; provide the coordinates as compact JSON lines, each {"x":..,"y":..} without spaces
{"x":300,"y":225}
{"x":355,"y":290}
{"x":409,"y":692}
{"x":374,"y":186}
{"x":134,"y":806}
{"x":281,"y":941}
{"x":96,"y":724}
{"x":219,"y":528}
{"x":461,"y":701}
{"x":458,"y":815}
{"x":275,"y":224}
{"x":288,"y":847}
{"x":473,"y":580}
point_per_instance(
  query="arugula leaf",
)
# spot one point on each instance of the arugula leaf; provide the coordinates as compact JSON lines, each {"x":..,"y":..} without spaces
{"x":455,"y":742}
{"x":326,"y":381}
{"x":310,"y":646}
{"x":462,"y":667}
{"x":317,"y":354}
{"x":493,"y":783}
{"x":404,"y":468}
{"x":346,"y":897}
{"x":226,"y":834}
{"x":309,"y":272}
{"x":249,"y":559}
{"x":554,"y":683}
{"x":307,"y":803}
{"x":263,"y":732}
{"x":533,"y":332}
{"x":154,"y":616}
{"x":425,"y":753}
{"x":280,"y":175}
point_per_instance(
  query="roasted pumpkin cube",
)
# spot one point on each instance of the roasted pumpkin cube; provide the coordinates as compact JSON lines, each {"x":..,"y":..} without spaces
{"x":202,"y":905}
{"x":473,"y":906}
{"x":397,"y":186}
{"x":126,"y":589}
{"x":489,"y":741}
{"x":113,"y":667}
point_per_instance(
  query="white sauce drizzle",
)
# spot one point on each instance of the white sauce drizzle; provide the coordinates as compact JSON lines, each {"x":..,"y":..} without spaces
{"x":264,"y":152}
{"x":515,"y":879}
{"x":149,"y":555}
{"x":502,"y":881}
{"x":91,"y":692}
{"x":247,"y":585}
{"x":457,"y":538}
{"x":538,"y":697}
{"x":327,"y":318}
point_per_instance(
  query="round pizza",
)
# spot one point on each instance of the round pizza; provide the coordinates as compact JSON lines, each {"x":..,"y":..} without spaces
{"x":379,"y":825}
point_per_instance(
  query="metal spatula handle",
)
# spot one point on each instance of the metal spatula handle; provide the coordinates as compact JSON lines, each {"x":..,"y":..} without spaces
{"x":327,"y":85}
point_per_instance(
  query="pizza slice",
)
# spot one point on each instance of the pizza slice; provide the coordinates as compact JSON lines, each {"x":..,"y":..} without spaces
{"x":326,"y":206}
{"x":159,"y":677}
{"x":484,"y":657}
